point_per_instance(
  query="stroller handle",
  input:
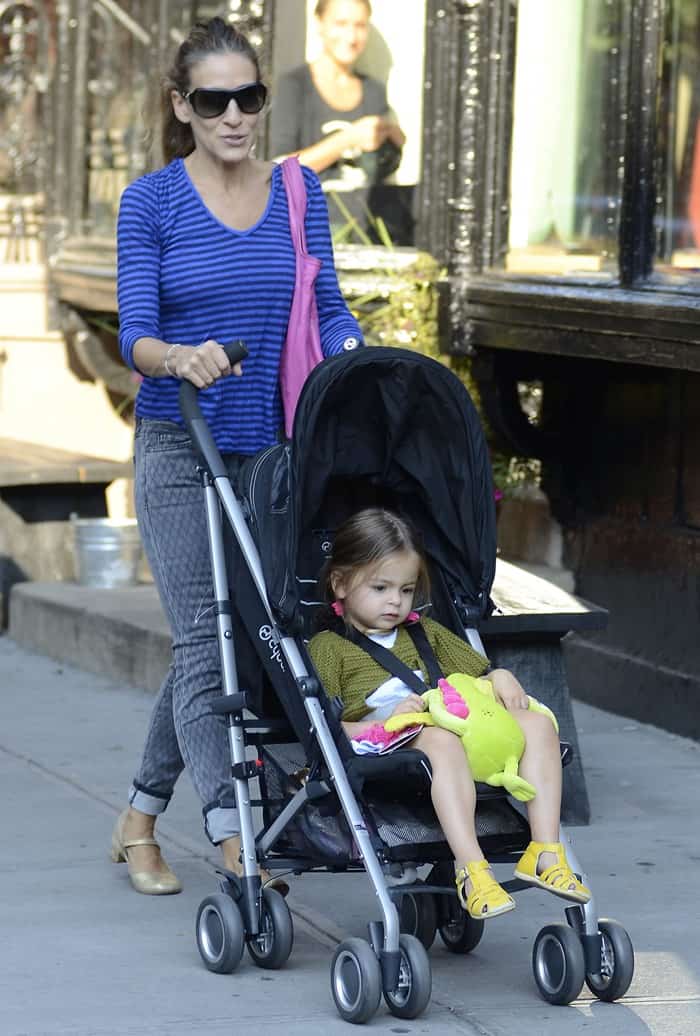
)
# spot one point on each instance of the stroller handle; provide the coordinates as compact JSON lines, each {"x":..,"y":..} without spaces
{"x":202,"y":439}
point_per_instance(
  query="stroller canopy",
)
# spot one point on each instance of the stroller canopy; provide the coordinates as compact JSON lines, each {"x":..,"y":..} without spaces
{"x":404,"y":426}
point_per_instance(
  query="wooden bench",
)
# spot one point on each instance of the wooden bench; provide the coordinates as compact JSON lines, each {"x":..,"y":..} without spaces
{"x":40,"y":488}
{"x":524,"y":634}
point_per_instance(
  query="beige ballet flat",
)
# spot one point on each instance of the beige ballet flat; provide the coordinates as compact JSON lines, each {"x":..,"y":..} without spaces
{"x":150,"y":883}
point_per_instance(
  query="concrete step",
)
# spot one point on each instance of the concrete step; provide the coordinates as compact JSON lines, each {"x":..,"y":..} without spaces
{"x":118,"y":633}
{"x":562,"y":577}
{"x":122,"y":633}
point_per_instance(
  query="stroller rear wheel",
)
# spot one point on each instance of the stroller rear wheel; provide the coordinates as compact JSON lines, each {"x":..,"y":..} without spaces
{"x":415,"y":985}
{"x":458,"y":930}
{"x":418,"y":916}
{"x":356,"y":980}
{"x":616,"y":962}
{"x":271,"y":947}
{"x":220,"y":933}
{"x":558,"y":963}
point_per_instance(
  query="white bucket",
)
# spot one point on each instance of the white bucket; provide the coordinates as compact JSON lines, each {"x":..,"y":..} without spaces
{"x":107,"y":551}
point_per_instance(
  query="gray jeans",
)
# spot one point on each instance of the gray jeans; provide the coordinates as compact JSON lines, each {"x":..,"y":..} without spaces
{"x":183,"y":732}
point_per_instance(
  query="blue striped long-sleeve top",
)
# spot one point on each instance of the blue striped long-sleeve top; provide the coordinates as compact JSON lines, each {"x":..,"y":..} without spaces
{"x":183,"y":276}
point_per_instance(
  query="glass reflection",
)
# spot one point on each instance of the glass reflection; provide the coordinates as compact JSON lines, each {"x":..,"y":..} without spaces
{"x":347,"y":97}
{"x":678,"y":210}
{"x":566,"y":164}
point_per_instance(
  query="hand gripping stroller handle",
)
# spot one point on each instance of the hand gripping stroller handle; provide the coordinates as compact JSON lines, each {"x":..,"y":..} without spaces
{"x":202,"y":439}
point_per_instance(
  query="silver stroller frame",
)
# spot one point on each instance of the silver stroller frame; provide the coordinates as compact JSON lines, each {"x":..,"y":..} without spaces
{"x":219,"y":494}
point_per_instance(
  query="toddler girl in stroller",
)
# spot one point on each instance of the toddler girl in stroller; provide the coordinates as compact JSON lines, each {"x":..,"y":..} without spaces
{"x":375,"y":571}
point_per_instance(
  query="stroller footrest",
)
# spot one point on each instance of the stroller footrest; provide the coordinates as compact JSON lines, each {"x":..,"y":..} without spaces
{"x":408,"y":762}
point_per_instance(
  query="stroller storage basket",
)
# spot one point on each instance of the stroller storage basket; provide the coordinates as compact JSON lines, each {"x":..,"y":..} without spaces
{"x":405,"y":826}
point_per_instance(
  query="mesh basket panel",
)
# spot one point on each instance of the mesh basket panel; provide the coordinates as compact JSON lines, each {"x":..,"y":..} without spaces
{"x":398,"y":824}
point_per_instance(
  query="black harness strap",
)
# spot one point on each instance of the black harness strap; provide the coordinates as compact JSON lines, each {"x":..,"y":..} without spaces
{"x":425,"y":650}
{"x":387,"y":660}
{"x":393,"y":665}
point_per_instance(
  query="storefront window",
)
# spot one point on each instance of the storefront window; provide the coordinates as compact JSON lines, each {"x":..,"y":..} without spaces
{"x":678,"y":208}
{"x":566,"y":158}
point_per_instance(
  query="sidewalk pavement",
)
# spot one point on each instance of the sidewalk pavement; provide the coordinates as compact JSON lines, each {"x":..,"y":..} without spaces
{"x":82,"y":953}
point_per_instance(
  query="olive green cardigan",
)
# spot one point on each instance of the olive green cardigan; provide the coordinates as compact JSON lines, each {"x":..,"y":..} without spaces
{"x":349,"y":673}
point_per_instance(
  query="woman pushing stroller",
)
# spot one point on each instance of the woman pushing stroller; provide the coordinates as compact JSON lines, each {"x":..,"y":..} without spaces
{"x":375,"y":574}
{"x":205,"y":257}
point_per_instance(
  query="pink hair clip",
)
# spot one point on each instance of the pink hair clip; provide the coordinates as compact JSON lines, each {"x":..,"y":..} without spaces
{"x":338,"y":609}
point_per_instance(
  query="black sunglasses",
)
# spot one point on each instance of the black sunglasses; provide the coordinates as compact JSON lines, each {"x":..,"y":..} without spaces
{"x":208,"y":104}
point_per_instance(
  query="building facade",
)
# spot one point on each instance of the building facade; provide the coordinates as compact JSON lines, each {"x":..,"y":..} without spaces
{"x":559,"y":184}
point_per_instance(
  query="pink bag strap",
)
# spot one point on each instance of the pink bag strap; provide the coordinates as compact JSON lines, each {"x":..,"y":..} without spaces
{"x":296,"y":199}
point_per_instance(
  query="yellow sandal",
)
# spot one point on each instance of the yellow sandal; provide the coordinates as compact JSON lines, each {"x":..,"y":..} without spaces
{"x":559,"y":878}
{"x":487,"y":898}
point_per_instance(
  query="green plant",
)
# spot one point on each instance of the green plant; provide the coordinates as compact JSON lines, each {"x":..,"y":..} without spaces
{"x":351,"y":228}
{"x":513,"y":472}
{"x":400,"y":307}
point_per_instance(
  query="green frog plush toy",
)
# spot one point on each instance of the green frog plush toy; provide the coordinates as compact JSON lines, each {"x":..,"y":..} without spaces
{"x":492,"y":739}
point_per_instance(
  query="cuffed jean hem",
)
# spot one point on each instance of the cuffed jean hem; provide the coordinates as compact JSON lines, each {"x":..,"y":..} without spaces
{"x":145,"y":802}
{"x":220,"y":823}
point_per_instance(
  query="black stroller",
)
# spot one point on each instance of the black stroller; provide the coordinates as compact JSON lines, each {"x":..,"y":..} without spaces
{"x":392,"y":428}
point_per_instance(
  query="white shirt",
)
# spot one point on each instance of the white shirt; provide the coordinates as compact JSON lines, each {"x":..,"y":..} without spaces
{"x":384,"y":700}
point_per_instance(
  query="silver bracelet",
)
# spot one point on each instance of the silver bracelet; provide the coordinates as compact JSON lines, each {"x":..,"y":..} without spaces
{"x":166,"y":363}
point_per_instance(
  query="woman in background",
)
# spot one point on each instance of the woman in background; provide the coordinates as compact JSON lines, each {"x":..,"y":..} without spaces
{"x":339,"y":124}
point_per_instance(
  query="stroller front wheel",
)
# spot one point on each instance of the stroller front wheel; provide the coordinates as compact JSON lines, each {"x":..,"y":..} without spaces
{"x":356,"y":981}
{"x":558,"y":963}
{"x":271,"y":947}
{"x":616,"y":962}
{"x":415,"y":985}
{"x":220,"y":933}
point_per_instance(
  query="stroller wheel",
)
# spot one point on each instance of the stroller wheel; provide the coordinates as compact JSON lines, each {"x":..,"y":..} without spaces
{"x":558,"y":964}
{"x":616,"y":962}
{"x":356,"y":980}
{"x":418,"y":916}
{"x":415,"y":985}
{"x":220,"y":935}
{"x":273,"y":943}
{"x":458,"y":930}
